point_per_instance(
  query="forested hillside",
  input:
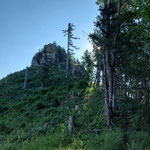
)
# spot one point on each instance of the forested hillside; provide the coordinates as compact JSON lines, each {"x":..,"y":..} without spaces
{"x":98,"y":103}
{"x":121,"y":47}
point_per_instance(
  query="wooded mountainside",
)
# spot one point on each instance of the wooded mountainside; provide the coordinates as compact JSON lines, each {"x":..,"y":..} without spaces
{"x":98,"y":103}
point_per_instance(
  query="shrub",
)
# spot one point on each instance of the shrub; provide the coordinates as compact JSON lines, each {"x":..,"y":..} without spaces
{"x":5,"y":128}
{"x":32,"y":99}
{"x":92,"y":141}
{"x":82,"y":84}
{"x":112,"y":140}
{"x":3,"y":108}
{"x":44,"y":90}
{"x":40,"y":105}
{"x":141,"y":119}
{"x":138,"y":141}
{"x":46,"y":142}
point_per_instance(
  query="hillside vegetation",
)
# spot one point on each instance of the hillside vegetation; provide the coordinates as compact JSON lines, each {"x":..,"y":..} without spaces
{"x":25,"y":113}
{"x":37,"y":118}
{"x":100,"y":103}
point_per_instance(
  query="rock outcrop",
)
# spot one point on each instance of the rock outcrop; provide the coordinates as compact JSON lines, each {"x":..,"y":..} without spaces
{"x":53,"y":52}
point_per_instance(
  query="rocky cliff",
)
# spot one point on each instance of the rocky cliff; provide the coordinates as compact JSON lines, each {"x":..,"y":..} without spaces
{"x":53,"y":52}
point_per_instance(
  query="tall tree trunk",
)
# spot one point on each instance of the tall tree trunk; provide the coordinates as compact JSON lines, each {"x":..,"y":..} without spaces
{"x":68,"y":48}
{"x":25,"y":80}
{"x":103,"y":76}
{"x":98,"y":78}
{"x":119,"y":9}
{"x":109,"y":78}
{"x":114,"y":90}
{"x":67,"y":62}
{"x":73,"y":68}
{"x":109,"y":64}
{"x":107,"y":111}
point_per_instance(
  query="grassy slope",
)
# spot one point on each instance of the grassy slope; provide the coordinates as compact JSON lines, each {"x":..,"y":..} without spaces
{"x":23,"y":114}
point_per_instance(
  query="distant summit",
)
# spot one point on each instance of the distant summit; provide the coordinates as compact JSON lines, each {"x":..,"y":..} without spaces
{"x":53,"y":52}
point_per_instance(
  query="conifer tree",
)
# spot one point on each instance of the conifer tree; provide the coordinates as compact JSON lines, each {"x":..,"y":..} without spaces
{"x":70,"y":46}
{"x":125,"y":55}
{"x":87,"y":62}
{"x":105,"y":36}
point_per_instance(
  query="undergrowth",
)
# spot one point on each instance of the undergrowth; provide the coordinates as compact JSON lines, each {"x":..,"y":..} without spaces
{"x":24,"y":113}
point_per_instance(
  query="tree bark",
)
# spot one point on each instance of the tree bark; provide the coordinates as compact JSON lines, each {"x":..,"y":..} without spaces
{"x":25,"y":80}
{"x":107,"y":111}
{"x":68,"y":48}
{"x":114,"y":91}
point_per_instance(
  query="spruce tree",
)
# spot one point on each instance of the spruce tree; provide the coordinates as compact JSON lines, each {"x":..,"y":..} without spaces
{"x":105,"y":37}
{"x":70,"y":46}
{"x":87,"y":62}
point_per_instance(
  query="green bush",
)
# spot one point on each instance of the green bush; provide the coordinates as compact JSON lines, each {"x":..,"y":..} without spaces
{"x":92,"y":142}
{"x":4,"y":128}
{"x":40,"y":105}
{"x":44,"y":90}
{"x":32,"y":98}
{"x":141,"y":120}
{"x":112,"y":139}
{"x":10,"y":146}
{"x":83,"y":84}
{"x":139,"y":141}
{"x":46,"y":142}
{"x":3,"y":108}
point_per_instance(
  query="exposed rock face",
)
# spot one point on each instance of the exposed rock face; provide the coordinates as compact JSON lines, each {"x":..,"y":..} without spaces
{"x":52,"y":51}
{"x":36,"y":60}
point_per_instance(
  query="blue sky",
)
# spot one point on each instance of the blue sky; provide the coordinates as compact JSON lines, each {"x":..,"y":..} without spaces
{"x":27,"y":25}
